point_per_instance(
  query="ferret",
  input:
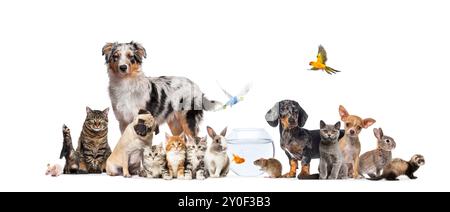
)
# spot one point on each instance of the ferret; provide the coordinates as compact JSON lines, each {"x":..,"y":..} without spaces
{"x":54,"y":170}
{"x":398,"y":167}
{"x":271,"y":166}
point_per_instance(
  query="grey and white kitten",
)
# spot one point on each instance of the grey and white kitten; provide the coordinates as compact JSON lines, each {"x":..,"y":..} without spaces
{"x":154,"y":164}
{"x":195,"y":154}
{"x":331,"y":158}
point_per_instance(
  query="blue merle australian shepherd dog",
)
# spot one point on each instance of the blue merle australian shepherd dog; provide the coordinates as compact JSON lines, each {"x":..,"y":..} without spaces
{"x":175,"y":100}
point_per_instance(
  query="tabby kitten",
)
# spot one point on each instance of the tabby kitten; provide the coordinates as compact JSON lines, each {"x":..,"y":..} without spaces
{"x":154,"y":164}
{"x":93,"y":142}
{"x":176,"y":155}
{"x":195,"y":154}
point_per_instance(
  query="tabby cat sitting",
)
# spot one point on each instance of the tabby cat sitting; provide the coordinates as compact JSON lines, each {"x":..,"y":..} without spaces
{"x":93,"y":145}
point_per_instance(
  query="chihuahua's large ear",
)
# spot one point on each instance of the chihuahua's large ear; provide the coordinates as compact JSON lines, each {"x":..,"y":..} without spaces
{"x":211,"y":132}
{"x":302,"y":115}
{"x":343,"y":112}
{"x":273,"y":115}
{"x":368,"y":122}
{"x":107,"y":50}
{"x":139,"y":51}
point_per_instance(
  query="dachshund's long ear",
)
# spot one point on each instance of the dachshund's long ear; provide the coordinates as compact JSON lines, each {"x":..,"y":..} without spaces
{"x":107,"y":50}
{"x":273,"y":115}
{"x":302,"y":116}
{"x":139,"y":51}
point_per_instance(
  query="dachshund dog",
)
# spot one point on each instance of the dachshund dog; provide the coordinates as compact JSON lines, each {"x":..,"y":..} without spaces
{"x":298,"y":143}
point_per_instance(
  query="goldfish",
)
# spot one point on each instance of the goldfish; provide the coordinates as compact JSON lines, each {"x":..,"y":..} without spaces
{"x":237,"y":159}
{"x":319,"y":64}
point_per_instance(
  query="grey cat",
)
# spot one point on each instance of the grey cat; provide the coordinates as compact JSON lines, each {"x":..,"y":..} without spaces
{"x":195,"y":154}
{"x":331,"y":159}
{"x":154,"y":164}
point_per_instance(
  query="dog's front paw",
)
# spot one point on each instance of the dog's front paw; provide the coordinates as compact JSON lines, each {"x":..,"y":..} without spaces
{"x":167,"y":177}
{"x":127,"y":175}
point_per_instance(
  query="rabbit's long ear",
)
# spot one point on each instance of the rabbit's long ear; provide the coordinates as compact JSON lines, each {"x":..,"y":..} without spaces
{"x":211,"y":132}
{"x":273,"y":115}
{"x":381,"y":132}
{"x":378,"y":133}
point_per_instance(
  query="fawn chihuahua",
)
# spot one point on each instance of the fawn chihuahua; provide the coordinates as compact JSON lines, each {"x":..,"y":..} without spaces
{"x":349,"y":144}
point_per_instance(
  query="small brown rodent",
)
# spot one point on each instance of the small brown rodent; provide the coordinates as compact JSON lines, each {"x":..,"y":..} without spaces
{"x":271,"y":166}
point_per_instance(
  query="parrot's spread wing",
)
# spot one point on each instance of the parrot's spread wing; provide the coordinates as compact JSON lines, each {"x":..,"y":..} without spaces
{"x":245,"y":90}
{"x":322,"y":55}
{"x":225,"y":92}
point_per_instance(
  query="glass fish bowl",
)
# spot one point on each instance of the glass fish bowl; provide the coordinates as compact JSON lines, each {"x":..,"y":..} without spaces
{"x":245,"y":145}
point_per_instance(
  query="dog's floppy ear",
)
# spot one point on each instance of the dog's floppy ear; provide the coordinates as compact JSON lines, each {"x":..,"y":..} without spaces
{"x":142,"y":111}
{"x":302,"y":115}
{"x":273,"y":115}
{"x":139,"y":51}
{"x":107,"y":50}
{"x":156,"y":129}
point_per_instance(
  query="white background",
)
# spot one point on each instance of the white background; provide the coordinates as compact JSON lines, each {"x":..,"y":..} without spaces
{"x":393,"y":56}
